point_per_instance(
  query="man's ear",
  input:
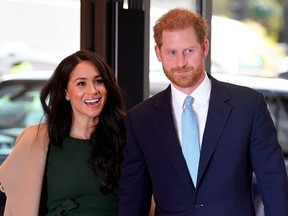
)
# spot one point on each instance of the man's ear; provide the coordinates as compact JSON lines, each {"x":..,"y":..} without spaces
{"x":205,"y":47}
{"x":158,"y":53}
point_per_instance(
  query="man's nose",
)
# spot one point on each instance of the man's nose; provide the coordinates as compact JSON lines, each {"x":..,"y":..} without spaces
{"x":181,"y":60}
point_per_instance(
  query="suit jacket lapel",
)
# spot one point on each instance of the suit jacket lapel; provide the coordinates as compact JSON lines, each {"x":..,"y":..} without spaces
{"x":218,"y":114}
{"x":164,"y":125}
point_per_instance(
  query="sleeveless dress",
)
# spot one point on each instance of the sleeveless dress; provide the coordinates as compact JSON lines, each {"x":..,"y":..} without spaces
{"x":72,"y":187}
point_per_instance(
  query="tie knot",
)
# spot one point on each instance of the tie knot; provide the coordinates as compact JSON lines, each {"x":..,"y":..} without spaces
{"x":188,"y":102}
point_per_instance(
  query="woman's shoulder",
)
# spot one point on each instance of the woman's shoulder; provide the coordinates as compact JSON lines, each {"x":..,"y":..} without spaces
{"x":36,"y":128}
{"x":33,"y":134}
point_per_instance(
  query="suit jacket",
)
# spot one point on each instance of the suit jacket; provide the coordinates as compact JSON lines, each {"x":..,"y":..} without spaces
{"x":21,"y":174}
{"x":239,"y":138}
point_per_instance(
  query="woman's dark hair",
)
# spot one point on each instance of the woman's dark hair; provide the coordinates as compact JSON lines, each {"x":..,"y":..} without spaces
{"x":108,"y":140}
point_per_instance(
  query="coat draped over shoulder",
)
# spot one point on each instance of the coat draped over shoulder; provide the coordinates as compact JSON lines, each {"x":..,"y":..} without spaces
{"x":21,"y":174}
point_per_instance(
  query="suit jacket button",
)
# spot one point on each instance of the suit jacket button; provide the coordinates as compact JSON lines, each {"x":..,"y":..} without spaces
{"x":198,"y":205}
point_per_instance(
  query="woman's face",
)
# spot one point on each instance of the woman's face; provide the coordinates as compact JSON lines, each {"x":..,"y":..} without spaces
{"x":86,"y":91}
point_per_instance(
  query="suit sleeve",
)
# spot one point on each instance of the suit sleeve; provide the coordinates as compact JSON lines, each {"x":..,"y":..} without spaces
{"x":135,"y":183}
{"x":268,"y":163}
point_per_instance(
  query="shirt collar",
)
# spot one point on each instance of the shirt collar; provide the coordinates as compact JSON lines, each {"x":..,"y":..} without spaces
{"x":201,"y":95}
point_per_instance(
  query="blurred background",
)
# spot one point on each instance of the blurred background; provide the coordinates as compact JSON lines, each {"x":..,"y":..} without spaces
{"x":248,"y":46}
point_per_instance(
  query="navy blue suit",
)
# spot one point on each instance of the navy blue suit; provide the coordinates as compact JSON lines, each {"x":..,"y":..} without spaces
{"x":239,"y":138}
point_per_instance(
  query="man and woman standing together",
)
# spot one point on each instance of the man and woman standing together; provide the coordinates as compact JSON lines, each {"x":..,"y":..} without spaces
{"x":82,"y":142}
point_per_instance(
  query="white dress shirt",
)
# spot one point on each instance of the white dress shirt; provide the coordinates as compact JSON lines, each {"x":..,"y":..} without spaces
{"x":200,"y":105}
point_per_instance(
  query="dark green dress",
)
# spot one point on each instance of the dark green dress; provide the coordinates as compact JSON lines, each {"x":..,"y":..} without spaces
{"x":73,"y":188}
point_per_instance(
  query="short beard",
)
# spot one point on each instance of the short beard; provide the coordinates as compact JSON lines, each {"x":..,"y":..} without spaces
{"x":185,"y":81}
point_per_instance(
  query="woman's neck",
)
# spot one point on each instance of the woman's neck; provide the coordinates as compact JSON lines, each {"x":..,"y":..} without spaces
{"x":83,"y":129}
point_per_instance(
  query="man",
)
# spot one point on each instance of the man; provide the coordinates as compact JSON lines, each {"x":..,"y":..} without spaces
{"x":236,"y":137}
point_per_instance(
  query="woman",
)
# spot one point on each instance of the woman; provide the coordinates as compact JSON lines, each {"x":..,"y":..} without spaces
{"x":73,"y":159}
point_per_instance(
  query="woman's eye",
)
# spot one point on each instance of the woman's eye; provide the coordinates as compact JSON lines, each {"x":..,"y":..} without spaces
{"x":99,"y":81}
{"x":81,"y":83}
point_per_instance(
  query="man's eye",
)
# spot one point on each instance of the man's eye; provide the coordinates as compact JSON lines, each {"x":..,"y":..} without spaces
{"x":189,"y":50}
{"x":172,"y":52}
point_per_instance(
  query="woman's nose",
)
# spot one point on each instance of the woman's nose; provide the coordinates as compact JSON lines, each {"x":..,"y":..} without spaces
{"x":93,"y":89}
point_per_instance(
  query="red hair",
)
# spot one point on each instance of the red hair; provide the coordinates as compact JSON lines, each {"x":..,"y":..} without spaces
{"x":177,"y":19}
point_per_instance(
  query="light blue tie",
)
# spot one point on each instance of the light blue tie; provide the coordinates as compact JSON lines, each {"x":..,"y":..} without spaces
{"x":190,"y":138}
